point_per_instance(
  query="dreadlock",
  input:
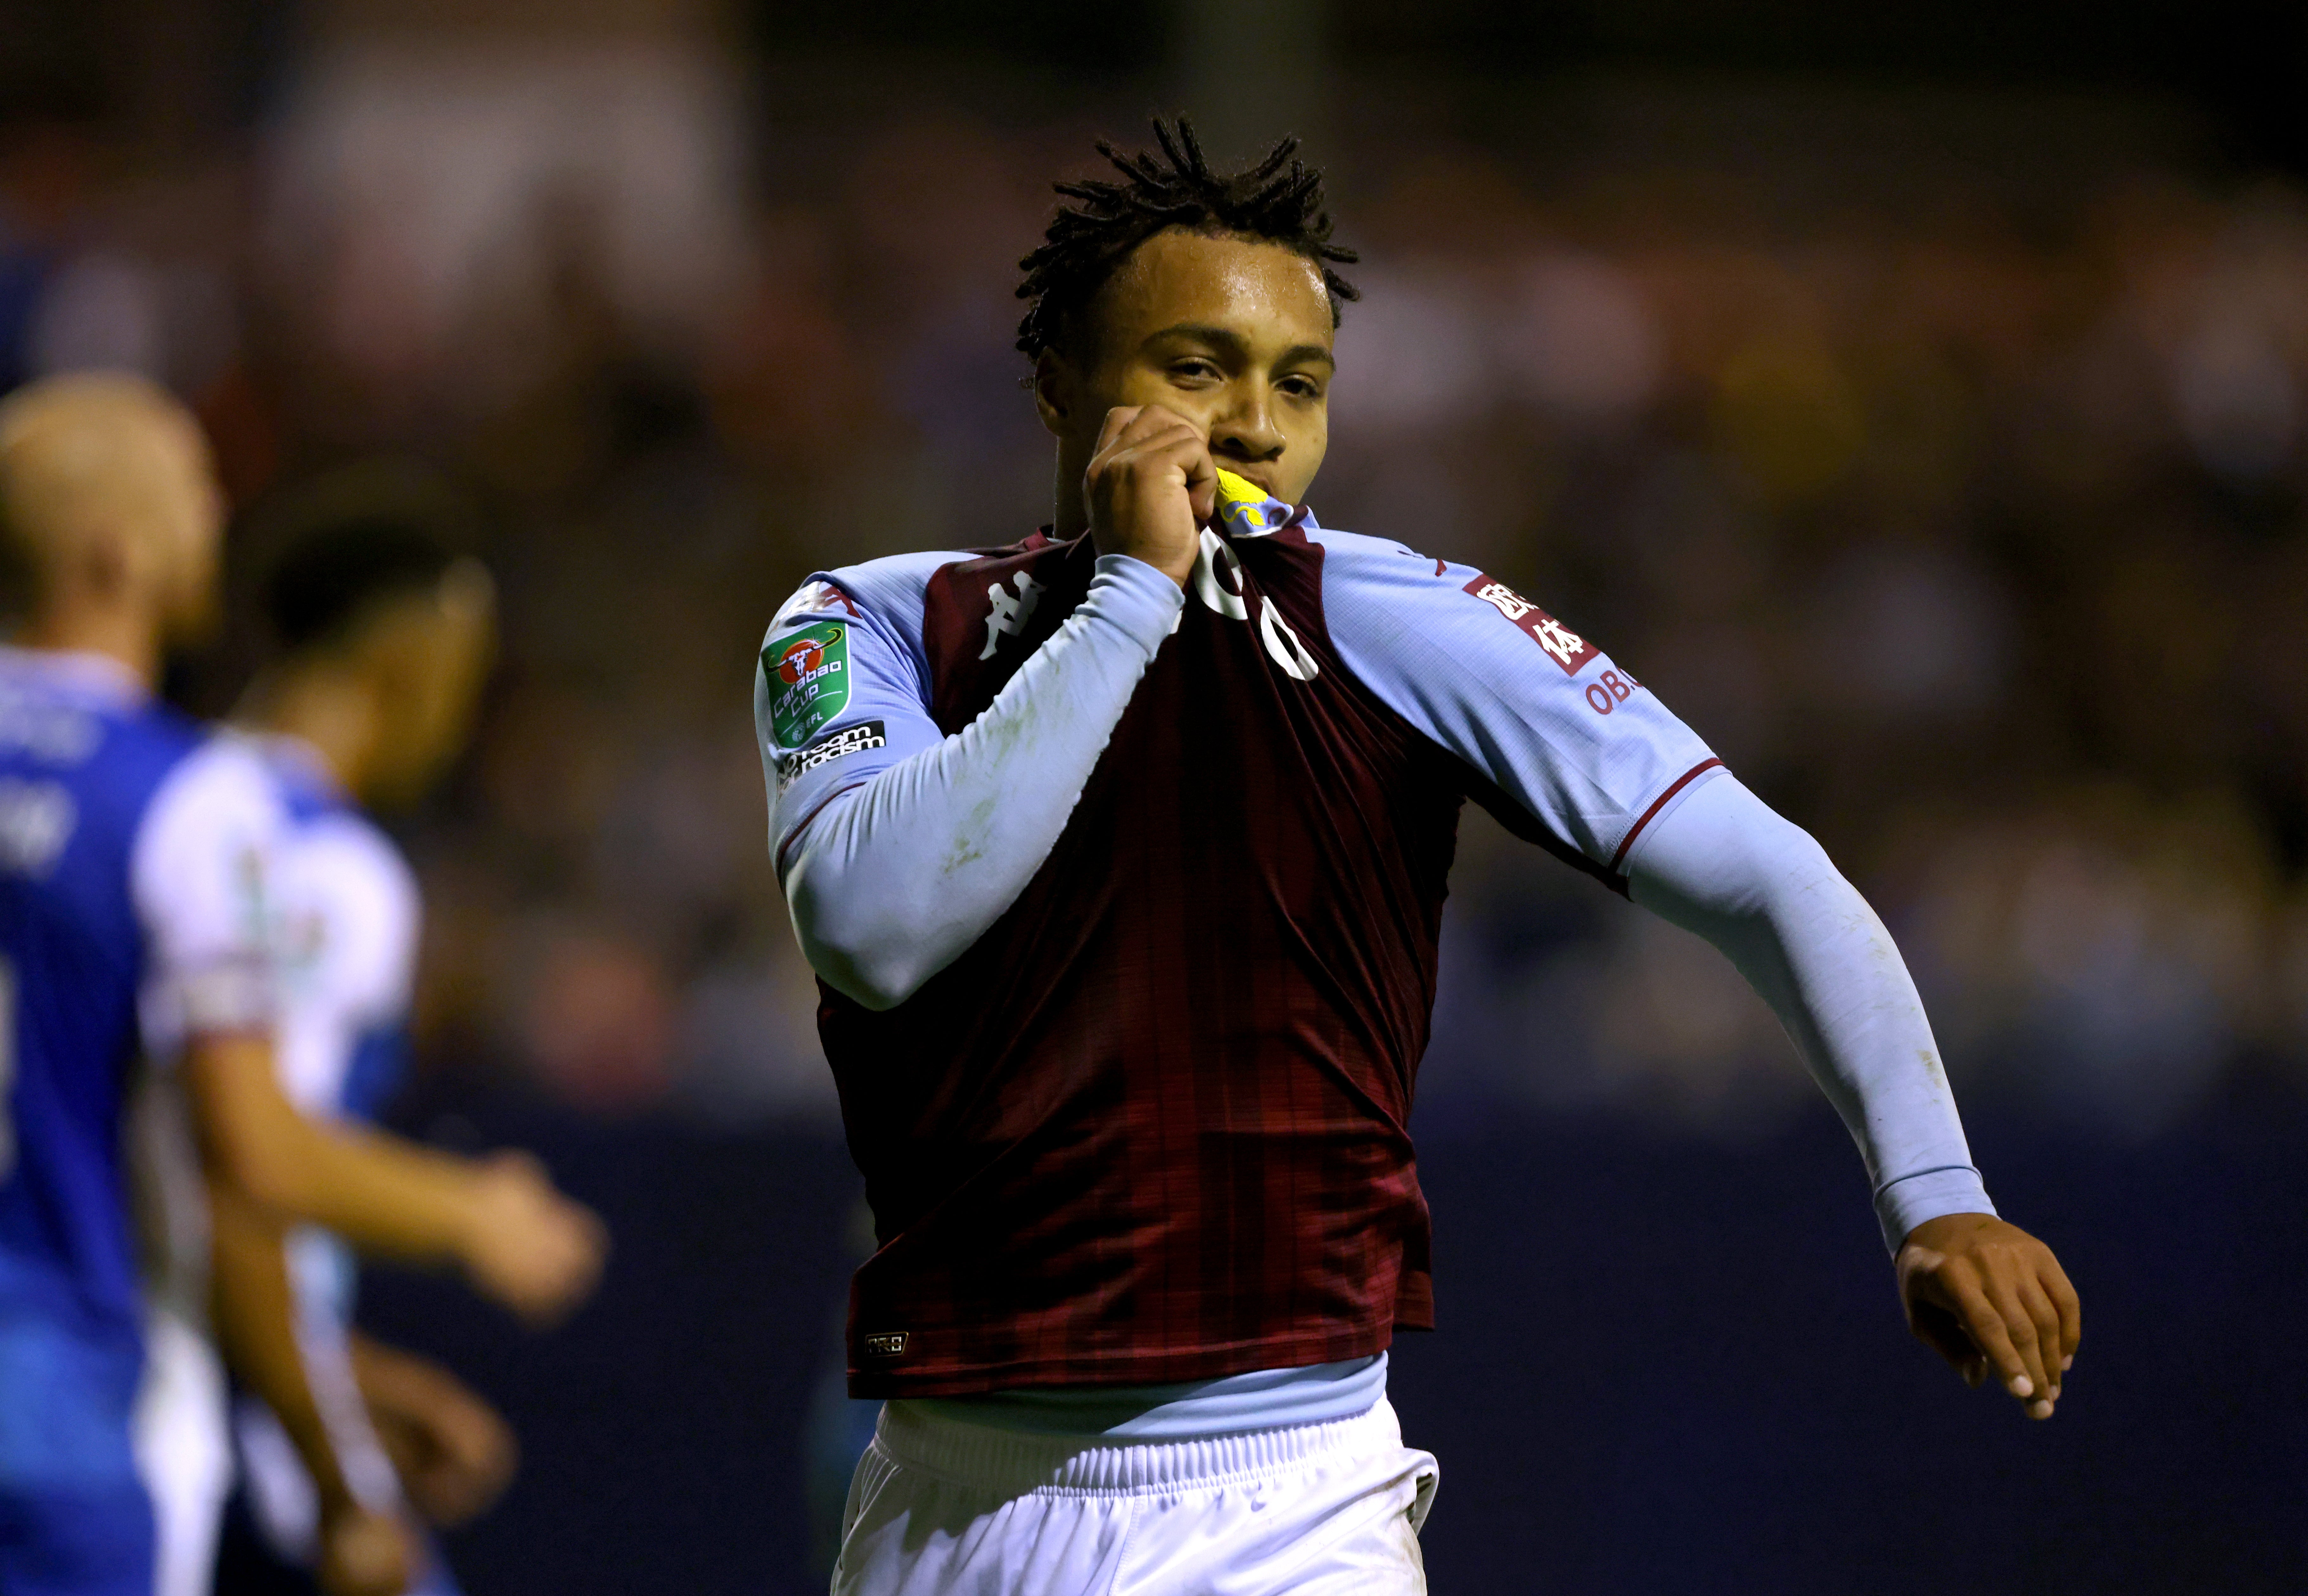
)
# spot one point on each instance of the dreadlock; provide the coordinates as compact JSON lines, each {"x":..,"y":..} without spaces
{"x":1278,"y":200}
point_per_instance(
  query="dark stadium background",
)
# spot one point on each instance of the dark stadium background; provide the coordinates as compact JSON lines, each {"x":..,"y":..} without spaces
{"x":1916,"y":396}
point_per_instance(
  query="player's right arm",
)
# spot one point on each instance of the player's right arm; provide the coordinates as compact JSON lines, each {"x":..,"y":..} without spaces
{"x":516,"y":1238}
{"x":897,"y":845}
{"x":198,"y":878}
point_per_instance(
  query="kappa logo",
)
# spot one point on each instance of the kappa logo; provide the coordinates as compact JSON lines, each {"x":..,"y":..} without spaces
{"x":1561,"y":645}
{"x":1009,"y":615}
{"x":834,"y":745}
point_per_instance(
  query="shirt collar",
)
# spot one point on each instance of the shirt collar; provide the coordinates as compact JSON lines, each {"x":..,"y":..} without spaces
{"x":81,"y":670}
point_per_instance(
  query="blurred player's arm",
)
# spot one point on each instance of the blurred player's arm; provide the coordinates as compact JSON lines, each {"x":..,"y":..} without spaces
{"x":302,"y":1373}
{"x":518,"y":1239}
{"x":198,"y":875}
{"x":1573,"y":752}
{"x":454,"y":1454}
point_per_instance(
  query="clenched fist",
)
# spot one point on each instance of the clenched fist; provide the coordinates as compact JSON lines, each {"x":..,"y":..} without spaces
{"x":528,"y":1246}
{"x":1151,"y":488}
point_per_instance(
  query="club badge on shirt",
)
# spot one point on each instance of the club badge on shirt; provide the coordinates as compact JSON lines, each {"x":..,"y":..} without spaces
{"x":808,"y":676}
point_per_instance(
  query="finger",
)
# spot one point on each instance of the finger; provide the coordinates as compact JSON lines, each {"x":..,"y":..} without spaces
{"x":2071,"y":1309}
{"x":1987,"y":1329}
{"x":1154,"y":427}
{"x":1117,"y":420}
{"x":1178,"y":447}
{"x":2021,"y":1325}
{"x":2046,"y":1319}
{"x":1937,"y":1329}
{"x":1202,"y":481}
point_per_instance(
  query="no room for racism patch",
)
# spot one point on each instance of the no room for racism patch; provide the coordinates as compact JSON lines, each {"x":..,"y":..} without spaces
{"x":808,"y":676}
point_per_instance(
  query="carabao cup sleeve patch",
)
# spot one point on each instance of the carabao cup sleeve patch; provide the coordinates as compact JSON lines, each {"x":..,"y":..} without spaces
{"x":1561,"y":645}
{"x":807,"y":673}
{"x":832,"y":746}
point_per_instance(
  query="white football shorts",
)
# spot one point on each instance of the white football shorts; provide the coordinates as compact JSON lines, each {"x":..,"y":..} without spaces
{"x":939,"y":1508}
{"x":184,"y":1451}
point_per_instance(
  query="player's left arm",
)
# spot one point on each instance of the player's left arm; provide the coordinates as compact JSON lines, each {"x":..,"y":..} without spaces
{"x":297,"y":1362}
{"x":455,"y":1452}
{"x":1984,"y":1293}
{"x":1575,"y":753}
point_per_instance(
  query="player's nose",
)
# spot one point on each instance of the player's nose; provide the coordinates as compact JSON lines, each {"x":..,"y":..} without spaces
{"x":1245,"y":430}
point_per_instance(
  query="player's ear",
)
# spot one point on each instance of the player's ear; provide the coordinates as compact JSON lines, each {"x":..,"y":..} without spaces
{"x":1057,"y":392}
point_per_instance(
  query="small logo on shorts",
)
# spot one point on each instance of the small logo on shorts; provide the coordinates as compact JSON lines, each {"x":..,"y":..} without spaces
{"x":889,"y":1344}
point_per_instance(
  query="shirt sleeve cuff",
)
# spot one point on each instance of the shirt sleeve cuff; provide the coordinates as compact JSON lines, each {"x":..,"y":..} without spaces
{"x":1905,"y":1202}
{"x":226,"y":998}
{"x":1135,"y":597}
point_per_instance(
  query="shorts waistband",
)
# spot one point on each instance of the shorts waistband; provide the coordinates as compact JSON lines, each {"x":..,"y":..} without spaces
{"x":1011,"y":1464}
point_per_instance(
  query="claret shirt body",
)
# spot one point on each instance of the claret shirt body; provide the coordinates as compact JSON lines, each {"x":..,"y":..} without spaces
{"x":1150,"y":1124}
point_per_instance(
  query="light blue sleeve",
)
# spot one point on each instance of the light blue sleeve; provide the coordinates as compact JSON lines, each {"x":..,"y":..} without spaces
{"x":900,"y":846}
{"x":1585,"y":751}
{"x":1759,"y":888}
{"x":1611,"y":778}
{"x":883,"y":713}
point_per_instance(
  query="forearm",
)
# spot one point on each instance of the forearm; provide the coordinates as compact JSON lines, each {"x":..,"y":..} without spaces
{"x":294,"y":1360}
{"x":380,"y":1193}
{"x":895,"y":877}
{"x":1723,"y":865}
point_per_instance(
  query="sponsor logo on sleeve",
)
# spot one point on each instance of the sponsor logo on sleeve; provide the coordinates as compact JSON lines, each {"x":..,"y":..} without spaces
{"x":808,"y":676}
{"x":1561,"y":645}
{"x":834,"y":745}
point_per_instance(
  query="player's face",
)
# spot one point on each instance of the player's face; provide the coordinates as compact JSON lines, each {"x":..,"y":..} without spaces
{"x":436,"y":649}
{"x":1233,"y":335}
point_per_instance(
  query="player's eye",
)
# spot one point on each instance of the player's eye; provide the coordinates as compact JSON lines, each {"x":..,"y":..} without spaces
{"x":1303,"y":388}
{"x":1195,"y":370}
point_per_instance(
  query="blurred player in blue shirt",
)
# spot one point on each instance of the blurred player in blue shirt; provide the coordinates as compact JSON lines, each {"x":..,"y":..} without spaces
{"x":135,"y":852}
{"x":387,"y":637}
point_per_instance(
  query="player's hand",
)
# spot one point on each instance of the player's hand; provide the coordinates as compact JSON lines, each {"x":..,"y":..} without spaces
{"x":455,"y":1455}
{"x":1151,"y":488}
{"x":528,"y":1246}
{"x":1988,"y":1297}
{"x":364,"y":1553}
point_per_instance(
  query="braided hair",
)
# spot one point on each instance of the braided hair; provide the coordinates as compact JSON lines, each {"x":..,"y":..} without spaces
{"x":1278,"y":200}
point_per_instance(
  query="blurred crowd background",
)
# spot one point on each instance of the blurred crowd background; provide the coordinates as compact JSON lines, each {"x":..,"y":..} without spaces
{"x":1918,"y":403}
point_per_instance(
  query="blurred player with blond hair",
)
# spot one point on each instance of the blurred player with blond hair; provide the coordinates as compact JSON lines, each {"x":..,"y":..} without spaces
{"x":135,"y":853}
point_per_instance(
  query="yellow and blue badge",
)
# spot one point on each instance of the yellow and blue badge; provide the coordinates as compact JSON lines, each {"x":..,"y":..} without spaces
{"x":1246,"y":509}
